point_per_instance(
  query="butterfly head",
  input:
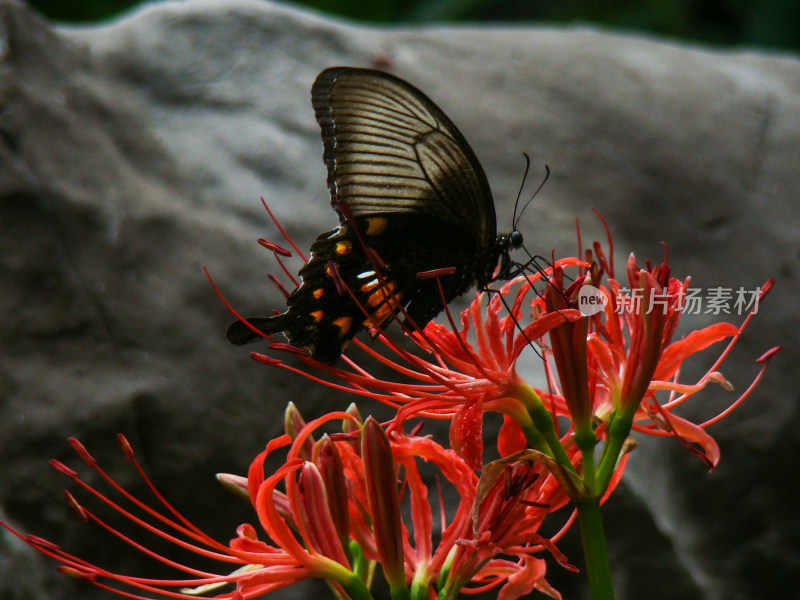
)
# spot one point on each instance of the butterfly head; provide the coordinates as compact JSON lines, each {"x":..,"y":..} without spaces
{"x":513,"y":240}
{"x":505,"y":243}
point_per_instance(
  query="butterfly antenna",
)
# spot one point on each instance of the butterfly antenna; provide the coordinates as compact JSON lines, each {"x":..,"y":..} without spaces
{"x":521,"y":186}
{"x":538,"y":189}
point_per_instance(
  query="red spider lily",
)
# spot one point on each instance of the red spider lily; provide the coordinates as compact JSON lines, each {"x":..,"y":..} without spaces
{"x":455,"y":379}
{"x":250,"y":567}
{"x":603,"y":371}
{"x":491,"y":538}
{"x":334,"y":508}
{"x":627,"y":355}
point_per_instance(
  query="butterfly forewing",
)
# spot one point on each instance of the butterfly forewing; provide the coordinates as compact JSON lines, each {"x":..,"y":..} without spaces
{"x":388,"y":148}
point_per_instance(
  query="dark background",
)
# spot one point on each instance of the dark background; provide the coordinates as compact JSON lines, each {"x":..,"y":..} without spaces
{"x":767,"y":23}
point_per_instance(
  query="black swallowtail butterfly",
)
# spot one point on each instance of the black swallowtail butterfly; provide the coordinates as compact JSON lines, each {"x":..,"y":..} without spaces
{"x":419,"y":199}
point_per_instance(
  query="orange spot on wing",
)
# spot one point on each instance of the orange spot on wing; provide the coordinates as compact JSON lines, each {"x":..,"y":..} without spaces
{"x":381,"y":294}
{"x":376,"y":225}
{"x":369,"y":286}
{"x":344,"y":324}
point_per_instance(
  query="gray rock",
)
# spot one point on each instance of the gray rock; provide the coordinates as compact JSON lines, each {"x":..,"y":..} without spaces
{"x":134,"y":153}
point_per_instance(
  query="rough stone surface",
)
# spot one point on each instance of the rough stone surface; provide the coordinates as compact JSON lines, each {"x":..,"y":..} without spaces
{"x":134,"y":153}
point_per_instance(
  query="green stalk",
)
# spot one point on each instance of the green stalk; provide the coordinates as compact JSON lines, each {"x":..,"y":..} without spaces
{"x":586,"y":444}
{"x":355,"y":588}
{"x":618,"y":428}
{"x":594,"y":550}
{"x":543,"y":423}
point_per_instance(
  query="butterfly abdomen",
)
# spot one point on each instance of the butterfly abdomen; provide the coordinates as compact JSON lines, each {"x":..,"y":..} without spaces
{"x":239,"y":333}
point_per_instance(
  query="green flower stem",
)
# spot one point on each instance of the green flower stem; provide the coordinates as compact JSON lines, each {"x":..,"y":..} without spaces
{"x":534,"y":438}
{"x":586,"y":443}
{"x":355,"y":588}
{"x":446,"y":593}
{"x":361,"y":566}
{"x":543,"y":422}
{"x":400,"y":593}
{"x":594,"y":549}
{"x":420,"y":585}
{"x":545,"y":431}
{"x":618,"y":429}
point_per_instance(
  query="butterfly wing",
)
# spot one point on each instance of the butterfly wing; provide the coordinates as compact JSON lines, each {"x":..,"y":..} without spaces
{"x":390,"y":149}
{"x":320,"y":317}
{"x":420,"y":201}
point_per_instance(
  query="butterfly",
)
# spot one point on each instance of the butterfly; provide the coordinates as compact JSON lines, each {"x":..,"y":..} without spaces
{"x":411,"y":197}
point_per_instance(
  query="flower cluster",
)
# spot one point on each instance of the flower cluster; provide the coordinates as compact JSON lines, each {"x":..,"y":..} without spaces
{"x":333,"y":511}
{"x":343,"y":503}
{"x":607,"y":373}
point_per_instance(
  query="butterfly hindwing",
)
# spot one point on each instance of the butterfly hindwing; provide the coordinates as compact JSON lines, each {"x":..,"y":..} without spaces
{"x":319,"y":317}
